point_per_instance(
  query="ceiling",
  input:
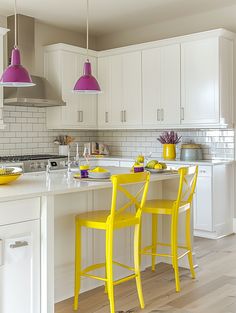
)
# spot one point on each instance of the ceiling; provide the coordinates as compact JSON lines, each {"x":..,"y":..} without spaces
{"x":108,"y":16}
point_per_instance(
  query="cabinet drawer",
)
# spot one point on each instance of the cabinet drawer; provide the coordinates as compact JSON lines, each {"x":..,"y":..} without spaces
{"x":205,"y":171}
{"x":19,"y":211}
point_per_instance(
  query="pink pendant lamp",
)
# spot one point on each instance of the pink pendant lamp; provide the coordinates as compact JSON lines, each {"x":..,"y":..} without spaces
{"x":15,"y":75}
{"x":87,"y":83}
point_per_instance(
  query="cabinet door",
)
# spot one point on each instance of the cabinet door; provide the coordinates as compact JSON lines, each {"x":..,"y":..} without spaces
{"x":170,"y":85}
{"x":200,"y":81}
{"x":161,"y":86}
{"x":104,"y":99}
{"x":20,"y":268}
{"x":132,"y":94}
{"x":86,"y":109}
{"x":203,"y":219}
{"x":116,"y":87}
{"x":69,"y":76}
{"x":151,"y":80}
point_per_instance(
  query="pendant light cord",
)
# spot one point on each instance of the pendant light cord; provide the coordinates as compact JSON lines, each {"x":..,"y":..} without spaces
{"x":16,"y":28}
{"x":87,"y":44}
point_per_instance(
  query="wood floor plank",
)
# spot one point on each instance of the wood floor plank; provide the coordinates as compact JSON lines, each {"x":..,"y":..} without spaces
{"x":214,"y":290}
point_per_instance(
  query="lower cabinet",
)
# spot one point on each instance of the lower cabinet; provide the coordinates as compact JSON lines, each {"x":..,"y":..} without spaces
{"x":20,"y":267}
{"x":213,"y":201}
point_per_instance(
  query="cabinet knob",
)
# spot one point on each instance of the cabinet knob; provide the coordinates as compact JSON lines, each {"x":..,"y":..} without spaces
{"x":106,"y":117}
{"x":182,"y":114}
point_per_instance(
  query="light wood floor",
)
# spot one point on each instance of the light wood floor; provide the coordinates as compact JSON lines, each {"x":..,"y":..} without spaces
{"x":214,"y":290}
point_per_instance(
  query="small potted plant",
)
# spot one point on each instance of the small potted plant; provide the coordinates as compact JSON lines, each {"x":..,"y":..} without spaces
{"x":169,"y":140}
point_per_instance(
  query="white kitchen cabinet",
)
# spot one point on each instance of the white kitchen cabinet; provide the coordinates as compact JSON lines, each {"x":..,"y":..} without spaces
{"x":213,"y":200}
{"x":206,"y":80}
{"x":161,"y":86}
{"x":120,"y":106}
{"x":20,"y":267}
{"x":62,"y":69}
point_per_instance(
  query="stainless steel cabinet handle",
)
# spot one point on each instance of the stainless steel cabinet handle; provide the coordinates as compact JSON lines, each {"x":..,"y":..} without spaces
{"x":19,"y":244}
{"x":122,"y":116}
{"x":162,"y":114}
{"x":182,"y":114}
{"x":125,"y":116}
{"x":1,"y":252}
{"x":158,"y":117}
{"x":106,"y":117}
{"x":82,"y":116}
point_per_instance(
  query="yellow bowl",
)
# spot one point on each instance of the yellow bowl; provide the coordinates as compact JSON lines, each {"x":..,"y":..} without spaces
{"x":9,"y":174}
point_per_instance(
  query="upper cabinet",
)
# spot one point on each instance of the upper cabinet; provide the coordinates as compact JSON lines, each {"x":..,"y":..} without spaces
{"x":62,"y":68}
{"x":120,"y":104}
{"x":206,"y":76}
{"x":161,"y":86}
{"x":182,"y":82}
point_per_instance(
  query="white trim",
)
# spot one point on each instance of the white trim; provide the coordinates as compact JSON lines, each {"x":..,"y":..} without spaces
{"x":234,"y":225}
{"x":3,"y":31}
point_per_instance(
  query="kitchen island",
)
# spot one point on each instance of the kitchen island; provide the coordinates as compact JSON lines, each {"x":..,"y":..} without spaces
{"x":48,"y":203}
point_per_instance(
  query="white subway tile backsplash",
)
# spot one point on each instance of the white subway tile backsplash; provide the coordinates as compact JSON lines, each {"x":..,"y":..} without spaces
{"x":26,"y":133}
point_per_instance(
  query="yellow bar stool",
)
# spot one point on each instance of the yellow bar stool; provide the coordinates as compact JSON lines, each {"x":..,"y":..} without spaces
{"x":108,"y":221}
{"x":183,"y":203}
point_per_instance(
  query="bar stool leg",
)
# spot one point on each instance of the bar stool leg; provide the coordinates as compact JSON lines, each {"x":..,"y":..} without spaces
{"x":137,"y":263}
{"x":109,"y":269}
{"x":77,"y":264}
{"x":188,"y":243}
{"x":174,"y":248}
{"x":154,"y":240}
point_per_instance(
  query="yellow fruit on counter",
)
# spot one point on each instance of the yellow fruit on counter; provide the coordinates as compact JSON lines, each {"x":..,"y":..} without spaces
{"x":164,"y":166}
{"x":158,"y":166}
{"x":151,"y":164}
{"x":99,"y":170}
{"x":140,"y":158}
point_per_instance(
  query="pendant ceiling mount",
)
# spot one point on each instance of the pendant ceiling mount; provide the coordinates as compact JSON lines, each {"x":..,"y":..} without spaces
{"x":87,"y":83}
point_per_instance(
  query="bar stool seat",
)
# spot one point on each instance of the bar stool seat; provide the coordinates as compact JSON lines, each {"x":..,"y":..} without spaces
{"x":97,"y":219}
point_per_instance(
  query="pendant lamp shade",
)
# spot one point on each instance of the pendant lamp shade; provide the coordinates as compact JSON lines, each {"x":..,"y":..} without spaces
{"x":87,"y":83}
{"x":15,"y":75}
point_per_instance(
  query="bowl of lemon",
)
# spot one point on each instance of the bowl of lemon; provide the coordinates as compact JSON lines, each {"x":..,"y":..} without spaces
{"x":154,"y":166}
{"x":99,"y":173}
{"x":9,"y":174}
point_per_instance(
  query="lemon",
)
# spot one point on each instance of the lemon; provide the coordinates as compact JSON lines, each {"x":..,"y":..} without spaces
{"x":158,"y":166}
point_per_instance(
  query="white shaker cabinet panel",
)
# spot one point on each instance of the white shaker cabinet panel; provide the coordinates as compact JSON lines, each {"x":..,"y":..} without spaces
{"x":200,"y":81}
{"x":104,"y":99}
{"x":203,"y":215}
{"x":116,"y":89}
{"x":132,"y":93}
{"x":161,"y":86}
{"x":20,"y":267}
{"x":62,"y":69}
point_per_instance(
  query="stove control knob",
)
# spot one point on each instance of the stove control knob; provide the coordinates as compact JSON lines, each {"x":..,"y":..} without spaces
{"x":32,"y":165}
{"x":42,"y":165}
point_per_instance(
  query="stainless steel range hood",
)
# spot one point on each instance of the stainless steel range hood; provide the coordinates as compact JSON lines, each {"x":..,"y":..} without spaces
{"x":28,"y":96}
{"x":31,"y":96}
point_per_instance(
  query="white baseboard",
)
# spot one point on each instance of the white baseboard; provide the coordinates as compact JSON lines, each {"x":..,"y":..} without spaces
{"x":234,"y":226}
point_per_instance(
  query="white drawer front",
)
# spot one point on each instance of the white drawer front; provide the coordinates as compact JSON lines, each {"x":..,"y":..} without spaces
{"x":19,"y":211}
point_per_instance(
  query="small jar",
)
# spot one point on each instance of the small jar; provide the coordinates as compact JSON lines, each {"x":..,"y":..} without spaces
{"x":138,"y":168}
{"x":84,"y":171}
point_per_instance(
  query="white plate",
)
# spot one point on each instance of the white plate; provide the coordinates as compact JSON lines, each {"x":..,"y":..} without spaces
{"x":152,"y":170}
{"x":99,"y":175}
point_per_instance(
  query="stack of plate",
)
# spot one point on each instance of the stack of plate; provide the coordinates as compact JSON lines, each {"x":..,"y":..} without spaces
{"x":99,"y":175}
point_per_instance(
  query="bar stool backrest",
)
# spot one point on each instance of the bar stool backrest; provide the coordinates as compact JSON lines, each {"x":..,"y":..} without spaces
{"x":187,"y":184}
{"x":120,"y":182}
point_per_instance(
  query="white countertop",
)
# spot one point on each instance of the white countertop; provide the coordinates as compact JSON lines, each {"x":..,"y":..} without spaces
{"x":59,"y":182}
{"x":177,"y":161}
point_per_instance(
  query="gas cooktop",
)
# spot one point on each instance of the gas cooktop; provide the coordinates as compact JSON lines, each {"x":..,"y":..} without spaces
{"x":35,"y":162}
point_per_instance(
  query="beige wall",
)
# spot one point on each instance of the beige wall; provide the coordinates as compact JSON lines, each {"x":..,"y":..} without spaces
{"x":224,"y":17}
{"x":47,"y":34}
{"x":3,"y":21}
